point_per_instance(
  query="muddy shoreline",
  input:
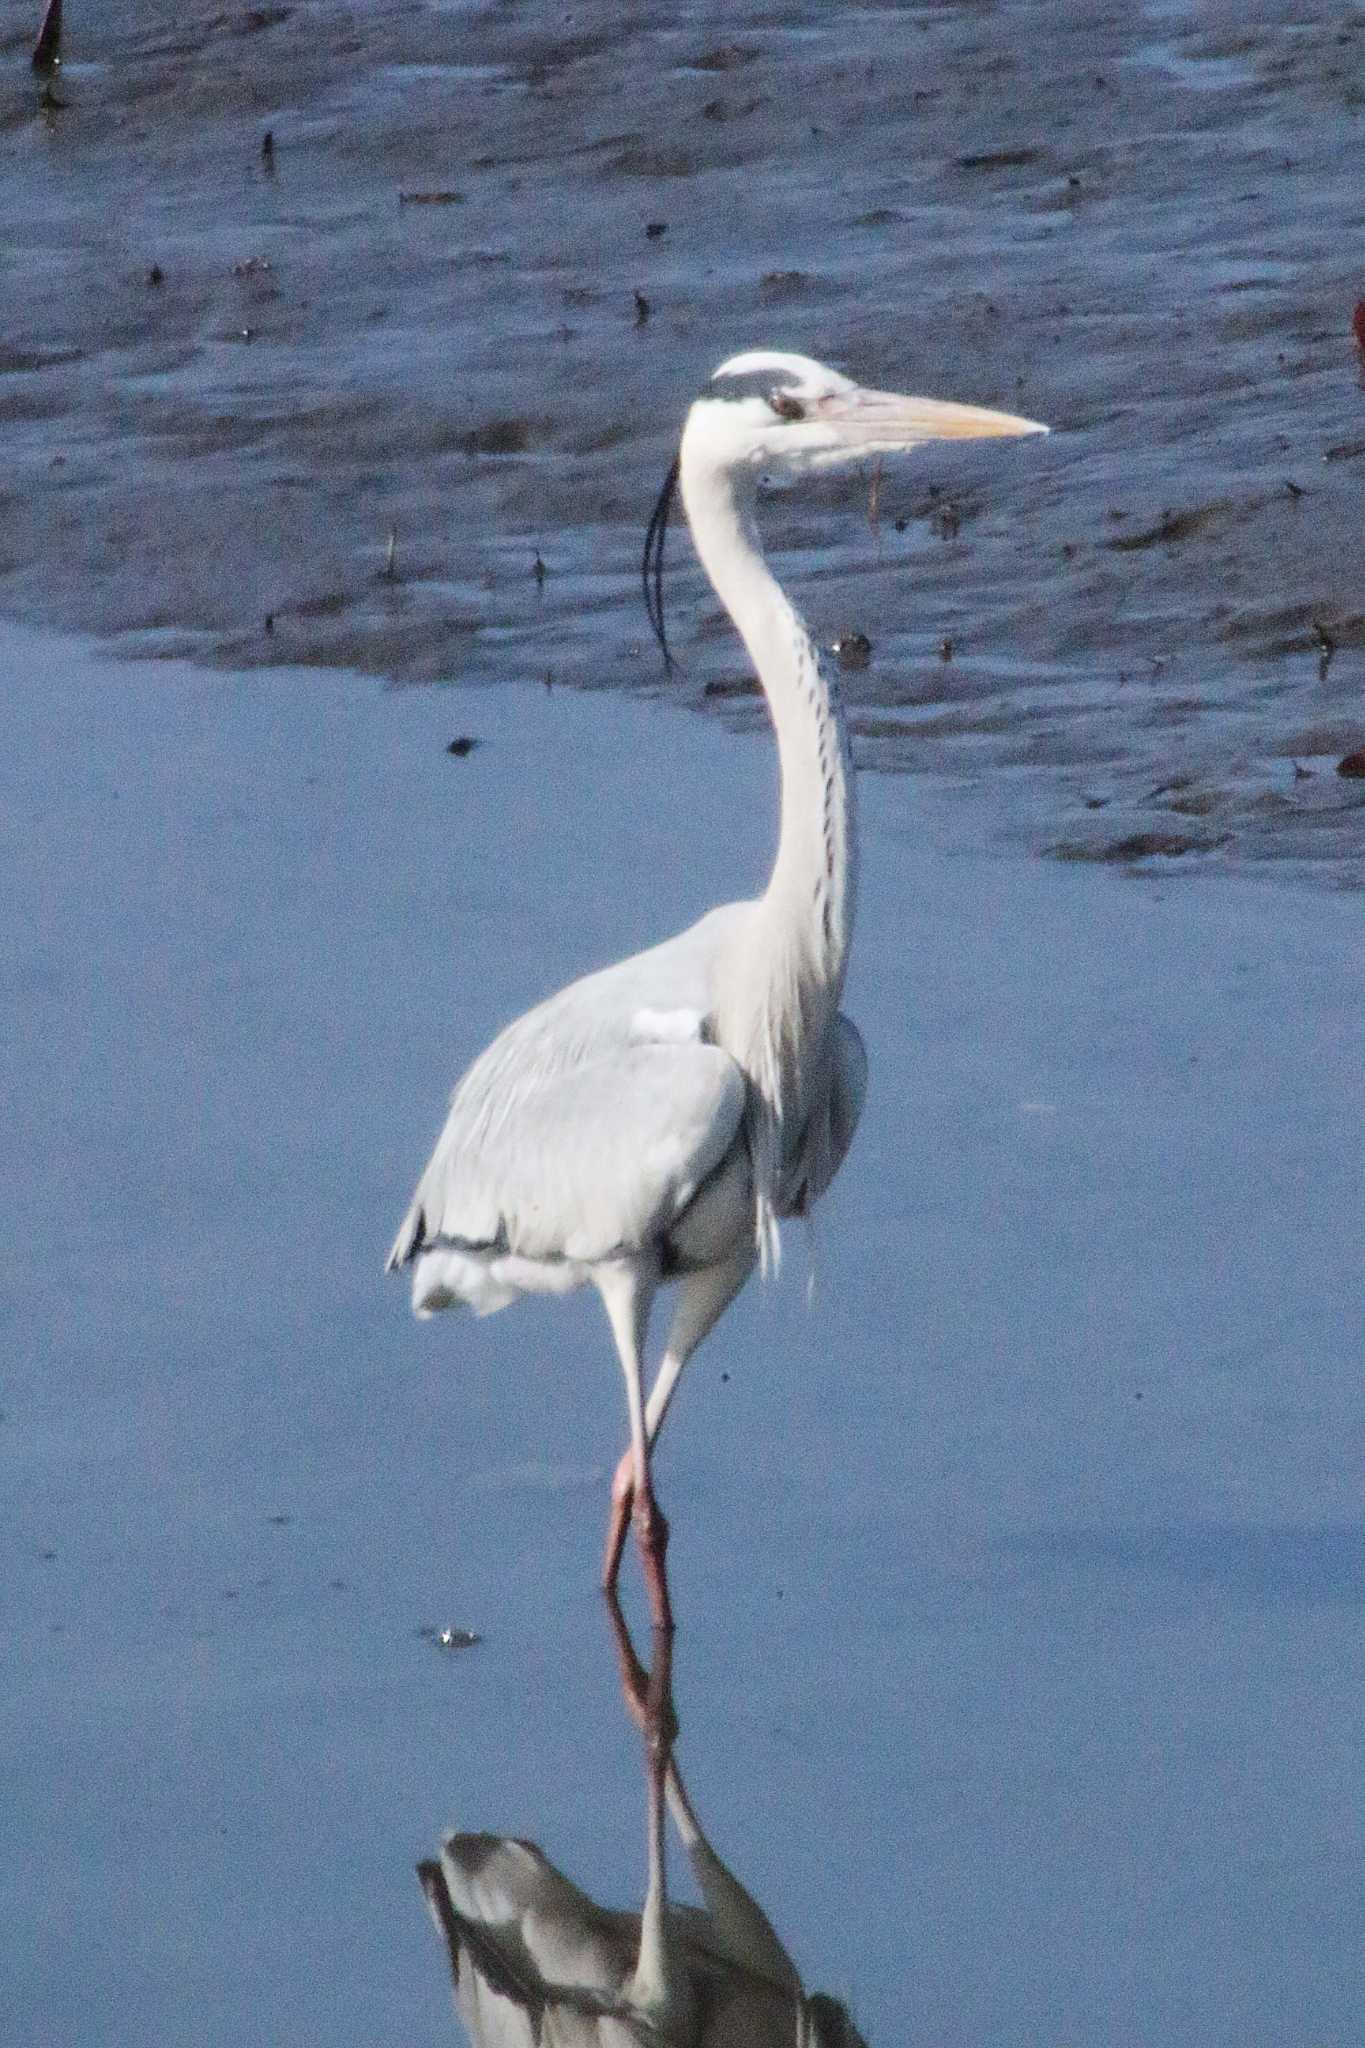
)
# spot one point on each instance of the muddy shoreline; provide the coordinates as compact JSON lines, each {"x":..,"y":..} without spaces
{"x":333,"y":403}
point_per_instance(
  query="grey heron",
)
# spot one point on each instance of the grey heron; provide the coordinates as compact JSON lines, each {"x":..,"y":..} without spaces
{"x":656,"y":1121}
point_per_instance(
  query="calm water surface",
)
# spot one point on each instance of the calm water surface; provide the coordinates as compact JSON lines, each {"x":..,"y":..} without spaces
{"x":1019,"y":1574}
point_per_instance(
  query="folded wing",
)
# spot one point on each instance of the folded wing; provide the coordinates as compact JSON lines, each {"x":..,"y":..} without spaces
{"x":589,"y":1124}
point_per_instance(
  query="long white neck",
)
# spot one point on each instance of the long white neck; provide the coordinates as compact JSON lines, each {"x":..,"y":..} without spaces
{"x":777,"y":1008}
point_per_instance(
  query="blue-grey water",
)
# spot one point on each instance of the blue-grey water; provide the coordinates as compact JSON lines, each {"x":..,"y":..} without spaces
{"x":1020,"y":1575}
{"x":1020,"y":1570}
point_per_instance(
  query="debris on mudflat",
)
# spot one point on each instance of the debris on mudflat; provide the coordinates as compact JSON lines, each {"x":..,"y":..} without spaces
{"x":1326,"y":647}
{"x":1353,"y":764}
{"x":851,"y":650}
{"x":997,"y":159}
{"x":777,"y":287}
{"x":450,"y":1638}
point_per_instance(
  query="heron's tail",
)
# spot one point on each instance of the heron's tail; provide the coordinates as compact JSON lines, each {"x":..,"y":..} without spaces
{"x":410,"y":1239}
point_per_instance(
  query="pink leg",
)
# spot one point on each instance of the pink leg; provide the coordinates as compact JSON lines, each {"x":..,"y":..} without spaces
{"x":630,"y":1506}
{"x":648,"y":1694}
{"x":622,"y":1500}
{"x":703,"y":1297}
{"x":627,"y":1288}
{"x":651,"y":1537}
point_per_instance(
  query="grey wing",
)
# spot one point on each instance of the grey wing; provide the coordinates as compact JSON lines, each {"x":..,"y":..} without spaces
{"x":584,"y":1165}
{"x":589,"y":1124}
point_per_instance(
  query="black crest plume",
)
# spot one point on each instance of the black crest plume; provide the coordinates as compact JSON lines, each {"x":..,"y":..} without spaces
{"x":652,"y":564}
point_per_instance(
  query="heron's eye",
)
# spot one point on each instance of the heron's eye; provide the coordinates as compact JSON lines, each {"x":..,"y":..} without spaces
{"x":786,"y":407}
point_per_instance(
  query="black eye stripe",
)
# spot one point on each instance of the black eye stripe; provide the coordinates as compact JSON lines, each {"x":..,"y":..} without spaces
{"x":757,"y":384}
{"x":740,"y":384}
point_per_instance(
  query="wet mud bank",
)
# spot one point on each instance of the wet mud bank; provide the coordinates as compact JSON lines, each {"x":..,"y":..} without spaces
{"x":360,"y":336}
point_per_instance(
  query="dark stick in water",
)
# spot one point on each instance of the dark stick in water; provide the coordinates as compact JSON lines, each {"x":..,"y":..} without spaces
{"x":47,"y":51}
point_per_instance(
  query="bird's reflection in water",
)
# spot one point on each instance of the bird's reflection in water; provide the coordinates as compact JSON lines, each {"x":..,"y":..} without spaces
{"x":538,"y":1964}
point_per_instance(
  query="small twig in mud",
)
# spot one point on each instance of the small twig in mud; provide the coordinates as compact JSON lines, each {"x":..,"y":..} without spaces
{"x":1326,"y":647}
{"x":389,"y":572}
{"x":874,"y":495}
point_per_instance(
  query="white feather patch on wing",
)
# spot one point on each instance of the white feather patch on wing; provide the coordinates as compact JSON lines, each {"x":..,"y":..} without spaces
{"x":667,"y":1027}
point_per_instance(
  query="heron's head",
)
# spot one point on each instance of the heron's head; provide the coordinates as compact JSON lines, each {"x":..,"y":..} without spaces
{"x":784,"y":416}
{"x":766,"y":414}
